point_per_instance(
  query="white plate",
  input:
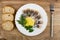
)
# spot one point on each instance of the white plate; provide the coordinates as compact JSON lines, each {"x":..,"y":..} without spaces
{"x":36,"y":30}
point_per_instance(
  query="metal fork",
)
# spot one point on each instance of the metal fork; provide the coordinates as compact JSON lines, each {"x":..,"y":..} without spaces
{"x":51,"y":19}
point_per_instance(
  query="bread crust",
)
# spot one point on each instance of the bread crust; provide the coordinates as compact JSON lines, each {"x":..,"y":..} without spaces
{"x":8,"y":10}
{"x":7,"y":17}
{"x":8,"y":25}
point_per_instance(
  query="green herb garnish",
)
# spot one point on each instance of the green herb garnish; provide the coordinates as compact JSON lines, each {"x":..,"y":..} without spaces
{"x":29,"y":28}
{"x":22,"y":21}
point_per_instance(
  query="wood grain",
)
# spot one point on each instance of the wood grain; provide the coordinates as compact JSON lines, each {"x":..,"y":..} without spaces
{"x":57,"y":21}
{"x":16,"y":35}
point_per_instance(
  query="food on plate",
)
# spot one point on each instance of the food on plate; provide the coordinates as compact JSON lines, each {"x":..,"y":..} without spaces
{"x":30,"y":19}
{"x":7,"y":17}
{"x":8,"y":10}
{"x":8,"y":25}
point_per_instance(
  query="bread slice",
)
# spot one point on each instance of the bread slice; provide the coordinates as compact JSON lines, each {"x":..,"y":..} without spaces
{"x":6,"y":17}
{"x":8,"y":25}
{"x":8,"y":9}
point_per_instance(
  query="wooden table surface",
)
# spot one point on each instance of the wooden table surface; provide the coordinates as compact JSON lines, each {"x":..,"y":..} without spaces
{"x":16,"y":35}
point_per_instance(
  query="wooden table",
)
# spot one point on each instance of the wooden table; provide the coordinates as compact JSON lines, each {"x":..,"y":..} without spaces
{"x":16,"y":35}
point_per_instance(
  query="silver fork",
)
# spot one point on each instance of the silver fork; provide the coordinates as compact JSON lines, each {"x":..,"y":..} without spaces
{"x":51,"y":19}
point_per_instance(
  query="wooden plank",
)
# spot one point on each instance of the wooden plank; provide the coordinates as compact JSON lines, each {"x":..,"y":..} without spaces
{"x":28,"y":0}
{"x":57,"y":21}
{"x":14,"y":34}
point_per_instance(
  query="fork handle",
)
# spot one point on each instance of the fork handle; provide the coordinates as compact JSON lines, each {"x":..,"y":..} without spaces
{"x":51,"y":25}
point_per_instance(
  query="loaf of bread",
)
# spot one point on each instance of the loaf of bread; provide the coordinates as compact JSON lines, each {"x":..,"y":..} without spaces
{"x":8,"y":9}
{"x":7,"y":25}
{"x":7,"y":17}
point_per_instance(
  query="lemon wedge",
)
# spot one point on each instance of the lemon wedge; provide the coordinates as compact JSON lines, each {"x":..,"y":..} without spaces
{"x":30,"y":21}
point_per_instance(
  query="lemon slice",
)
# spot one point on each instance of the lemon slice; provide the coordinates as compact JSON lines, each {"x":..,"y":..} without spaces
{"x":30,"y":21}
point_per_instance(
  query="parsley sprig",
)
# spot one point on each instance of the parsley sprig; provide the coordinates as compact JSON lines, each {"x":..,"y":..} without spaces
{"x":22,"y":21}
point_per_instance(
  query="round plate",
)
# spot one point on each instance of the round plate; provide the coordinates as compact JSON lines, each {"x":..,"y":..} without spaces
{"x":36,"y":30}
